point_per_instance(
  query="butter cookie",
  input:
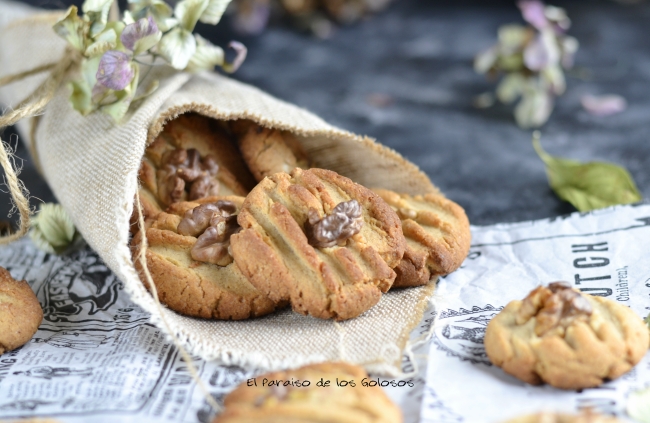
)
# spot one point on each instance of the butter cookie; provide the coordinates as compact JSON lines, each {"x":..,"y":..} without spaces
{"x":565,"y":338}
{"x":319,"y":240}
{"x":293,"y":396}
{"x":189,"y":259}
{"x":20,"y":312}
{"x":191,"y":158}
{"x":268,"y":151}
{"x":437,"y":236}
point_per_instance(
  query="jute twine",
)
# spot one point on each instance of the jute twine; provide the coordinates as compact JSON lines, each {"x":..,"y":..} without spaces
{"x":32,"y":106}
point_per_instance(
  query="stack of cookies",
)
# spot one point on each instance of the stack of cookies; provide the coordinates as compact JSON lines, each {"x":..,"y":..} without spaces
{"x":239,"y":224}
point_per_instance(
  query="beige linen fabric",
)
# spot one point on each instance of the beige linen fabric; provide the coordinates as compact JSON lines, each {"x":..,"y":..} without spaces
{"x":91,"y":164}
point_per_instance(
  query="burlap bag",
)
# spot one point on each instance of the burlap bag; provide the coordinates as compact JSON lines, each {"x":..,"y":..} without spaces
{"x":91,"y":164}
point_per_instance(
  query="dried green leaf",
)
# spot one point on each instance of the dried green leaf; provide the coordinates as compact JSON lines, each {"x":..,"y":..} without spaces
{"x":105,"y":41}
{"x":188,"y":12}
{"x":72,"y":29}
{"x":206,"y":57}
{"x":638,"y":405}
{"x":588,"y":186}
{"x":214,"y":11}
{"x":81,"y":97}
{"x":52,"y":229}
{"x":177,"y":47}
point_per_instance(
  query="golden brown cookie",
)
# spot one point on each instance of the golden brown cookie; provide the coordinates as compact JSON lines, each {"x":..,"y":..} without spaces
{"x":565,"y":338}
{"x":547,"y":417}
{"x":303,"y":401}
{"x":20,"y":312}
{"x":268,"y":151}
{"x":190,"y":159}
{"x":190,"y":263}
{"x":437,"y":236}
{"x":319,"y":240}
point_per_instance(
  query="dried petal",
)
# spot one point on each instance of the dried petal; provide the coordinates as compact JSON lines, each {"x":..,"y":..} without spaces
{"x":213,"y":12}
{"x":569,"y":48}
{"x":533,"y":13}
{"x":52,"y":229}
{"x":604,"y":105}
{"x":534,"y":108}
{"x":141,"y":35}
{"x":206,"y":56}
{"x":178,"y":47}
{"x":486,"y":60}
{"x":241,"y":53}
{"x":115,"y":70}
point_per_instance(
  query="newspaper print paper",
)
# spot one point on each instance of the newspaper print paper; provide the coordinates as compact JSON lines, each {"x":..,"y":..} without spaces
{"x":96,"y":356}
{"x":602,"y":253}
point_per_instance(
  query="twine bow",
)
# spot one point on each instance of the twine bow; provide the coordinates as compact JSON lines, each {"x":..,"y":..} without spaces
{"x":32,"y":106}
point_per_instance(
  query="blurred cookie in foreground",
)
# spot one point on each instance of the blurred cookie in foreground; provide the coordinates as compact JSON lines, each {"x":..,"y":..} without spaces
{"x":192,"y":158}
{"x":190,"y":262}
{"x":268,"y":151}
{"x":306,"y":402}
{"x":547,"y":417}
{"x":437,"y":236}
{"x":560,"y":336}
{"x":20,"y":312}
{"x":320,"y":241}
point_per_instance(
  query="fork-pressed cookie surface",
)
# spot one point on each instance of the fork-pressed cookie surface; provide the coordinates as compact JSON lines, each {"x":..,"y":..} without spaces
{"x":268,"y":151}
{"x":190,"y":159}
{"x":20,"y":312}
{"x":285,"y":402}
{"x":437,"y":236}
{"x":567,"y":339}
{"x":197,"y":287}
{"x":273,"y":250}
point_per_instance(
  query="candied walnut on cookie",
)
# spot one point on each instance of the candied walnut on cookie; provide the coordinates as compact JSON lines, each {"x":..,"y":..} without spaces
{"x":190,"y":159}
{"x":437,"y":236}
{"x":268,"y":151}
{"x":20,"y":312}
{"x":190,"y":261}
{"x":565,"y":338}
{"x":294,"y":402}
{"x":319,"y":240}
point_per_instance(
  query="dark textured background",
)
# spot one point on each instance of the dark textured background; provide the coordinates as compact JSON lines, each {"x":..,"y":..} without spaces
{"x":405,"y":77}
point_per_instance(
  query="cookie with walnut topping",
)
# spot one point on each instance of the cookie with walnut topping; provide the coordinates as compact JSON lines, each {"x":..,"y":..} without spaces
{"x":268,"y":151}
{"x":565,"y":338}
{"x":437,"y":236}
{"x":20,"y":312}
{"x":293,"y":400}
{"x":190,"y":159}
{"x":189,"y":259}
{"x":320,"y":241}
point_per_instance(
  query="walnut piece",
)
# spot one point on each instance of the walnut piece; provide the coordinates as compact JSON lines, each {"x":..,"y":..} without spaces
{"x":213,"y":223}
{"x":555,"y":306}
{"x":335,"y":229}
{"x":185,"y":171}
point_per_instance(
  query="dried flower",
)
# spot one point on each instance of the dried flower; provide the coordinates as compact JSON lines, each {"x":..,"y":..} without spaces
{"x":115,"y":71}
{"x":52,"y":230}
{"x":533,"y":59}
{"x":112,"y":51}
